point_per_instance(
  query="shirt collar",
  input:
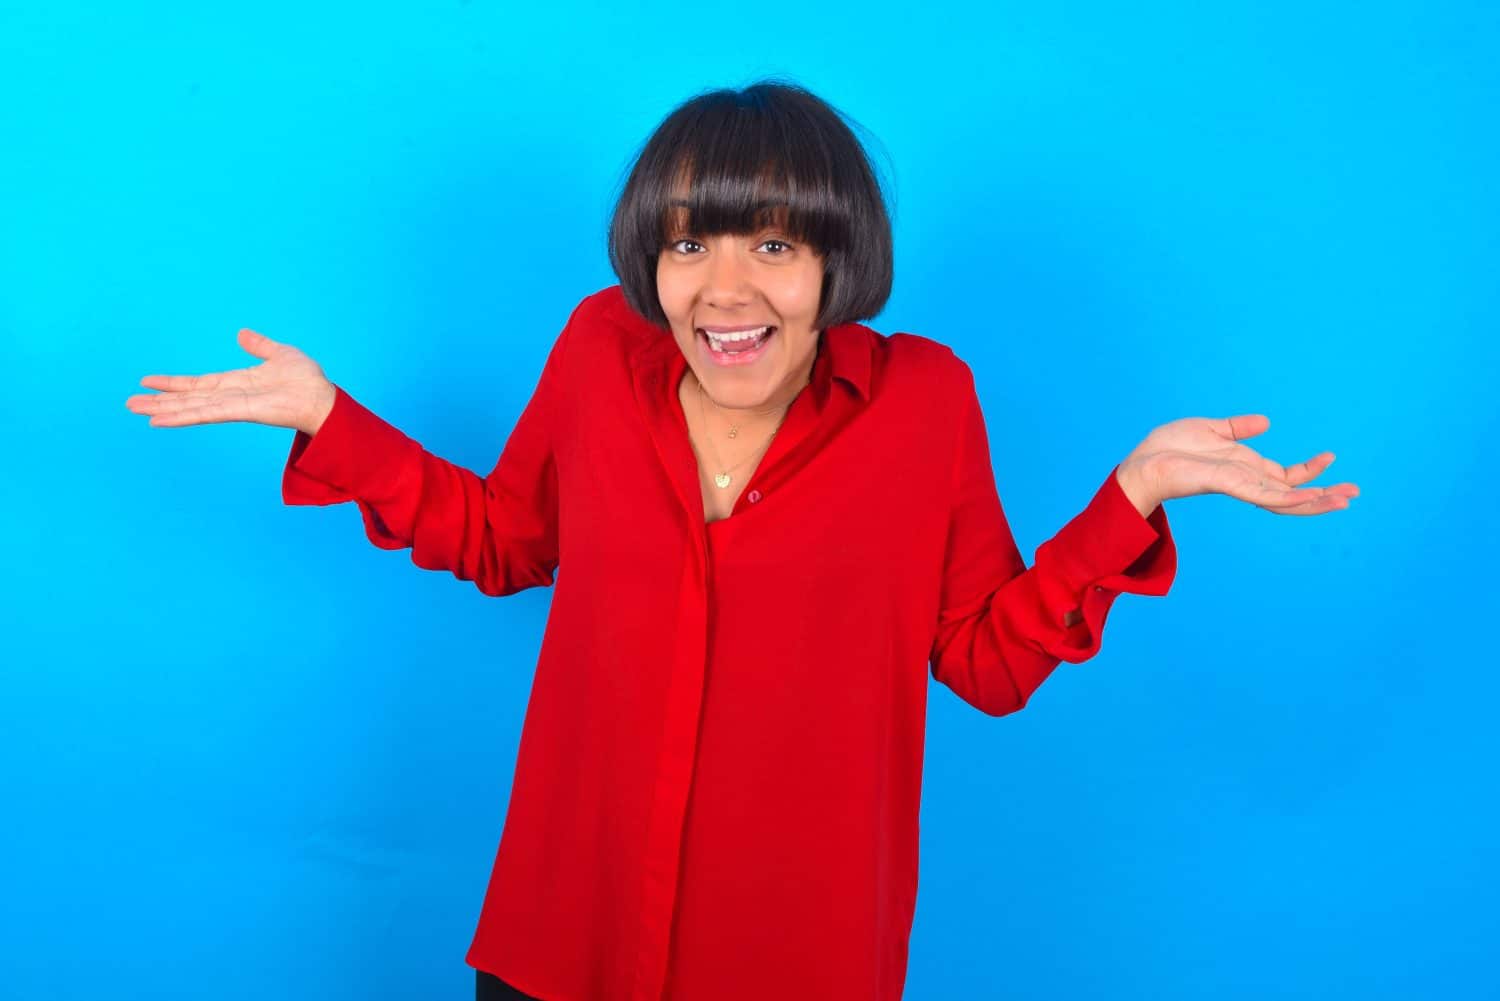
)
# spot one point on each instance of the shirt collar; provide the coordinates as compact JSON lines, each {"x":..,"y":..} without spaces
{"x":843,"y":351}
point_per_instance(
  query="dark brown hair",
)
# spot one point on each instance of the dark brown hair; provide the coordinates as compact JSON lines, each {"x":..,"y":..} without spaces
{"x":771,"y":152}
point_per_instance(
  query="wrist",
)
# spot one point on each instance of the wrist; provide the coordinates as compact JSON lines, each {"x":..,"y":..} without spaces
{"x":1135,"y":484}
{"x":327,"y":396}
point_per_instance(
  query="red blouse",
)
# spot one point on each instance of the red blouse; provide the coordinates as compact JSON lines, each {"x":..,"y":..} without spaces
{"x":717,"y":785}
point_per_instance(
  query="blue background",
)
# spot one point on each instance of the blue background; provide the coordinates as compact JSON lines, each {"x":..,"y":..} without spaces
{"x":239,"y":744}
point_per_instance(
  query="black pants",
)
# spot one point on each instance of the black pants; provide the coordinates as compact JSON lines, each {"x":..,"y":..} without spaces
{"x":488,"y":987}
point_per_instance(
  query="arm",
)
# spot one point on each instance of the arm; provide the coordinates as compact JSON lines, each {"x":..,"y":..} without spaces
{"x":1127,"y":475}
{"x":1002,"y":627}
{"x":499,"y":531}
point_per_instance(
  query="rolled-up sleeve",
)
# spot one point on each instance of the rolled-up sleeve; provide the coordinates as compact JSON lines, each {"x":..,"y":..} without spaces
{"x":1001,"y":628}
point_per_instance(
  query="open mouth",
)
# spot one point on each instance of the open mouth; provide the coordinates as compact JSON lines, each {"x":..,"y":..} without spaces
{"x":737,"y":348}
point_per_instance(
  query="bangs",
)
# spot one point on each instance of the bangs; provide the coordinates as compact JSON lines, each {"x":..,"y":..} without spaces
{"x":769,"y":157}
{"x":738,"y":192}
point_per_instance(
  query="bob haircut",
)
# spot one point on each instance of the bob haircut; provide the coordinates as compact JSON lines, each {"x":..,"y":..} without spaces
{"x":770,"y":154}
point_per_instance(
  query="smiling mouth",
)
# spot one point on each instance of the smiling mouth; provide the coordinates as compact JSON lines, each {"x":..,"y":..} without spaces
{"x":739,"y":341}
{"x":741,"y":350}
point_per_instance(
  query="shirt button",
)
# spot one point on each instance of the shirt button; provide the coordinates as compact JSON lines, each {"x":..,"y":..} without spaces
{"x":755,"y":497}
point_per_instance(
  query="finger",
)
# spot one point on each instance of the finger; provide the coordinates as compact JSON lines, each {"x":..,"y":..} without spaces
{"x":167,"y":403}
{"x":1268,"y":490}
{"x":1281,"y":499}
{"x":150,"y":403}
{"x":1294,"y":475}
{"x":194,"y":415}
{"x":1290,"y":475}
{"x":1301,"y":472}
{"x":1322,"y":505}
{"x":1286,"y":500}
{"x":1241,"y":426}
{"x":257,"y":344}
{"x":238,"y":378}
{"x":1314,"y":468}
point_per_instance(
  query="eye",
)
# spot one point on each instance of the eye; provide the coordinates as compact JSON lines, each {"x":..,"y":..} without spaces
{"x":676,"y":245}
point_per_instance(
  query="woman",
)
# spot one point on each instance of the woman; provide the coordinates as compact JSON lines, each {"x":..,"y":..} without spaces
{"x":774,"y":521}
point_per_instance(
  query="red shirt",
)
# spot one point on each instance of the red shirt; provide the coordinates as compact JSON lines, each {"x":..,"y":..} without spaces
{"x":717,"y":787}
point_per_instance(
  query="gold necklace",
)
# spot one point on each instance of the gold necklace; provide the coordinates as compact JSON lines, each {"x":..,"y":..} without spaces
{"x":722,"y":478}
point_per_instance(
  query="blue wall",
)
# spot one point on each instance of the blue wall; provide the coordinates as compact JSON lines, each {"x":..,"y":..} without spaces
{"x":237,"y":742}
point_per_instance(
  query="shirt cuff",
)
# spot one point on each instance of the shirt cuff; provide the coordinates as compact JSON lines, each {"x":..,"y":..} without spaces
{"x":1109,"y":543}
{"x":354,"y":454}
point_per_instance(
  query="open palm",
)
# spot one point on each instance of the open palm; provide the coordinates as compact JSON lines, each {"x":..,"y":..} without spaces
{"x":1202,"y":455}
{"x":288,"y":389}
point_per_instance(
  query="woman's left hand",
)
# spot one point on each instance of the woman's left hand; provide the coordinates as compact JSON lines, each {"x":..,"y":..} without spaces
{"x":1206,"y":455}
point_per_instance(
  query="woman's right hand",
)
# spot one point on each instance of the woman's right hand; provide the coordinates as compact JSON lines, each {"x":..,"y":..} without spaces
{"x":288,"y":390}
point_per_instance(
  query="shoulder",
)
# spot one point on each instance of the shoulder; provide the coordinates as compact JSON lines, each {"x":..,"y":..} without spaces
{"x":602,"y":335}
{"x":606,"y":314}
{"x":600,"y":306}
{"x":605,"y":341}
{"x":928,"y":385}
{"x":921,"y":364}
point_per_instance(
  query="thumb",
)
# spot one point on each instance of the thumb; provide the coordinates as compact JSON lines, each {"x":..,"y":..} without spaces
{"x":259,"y":345}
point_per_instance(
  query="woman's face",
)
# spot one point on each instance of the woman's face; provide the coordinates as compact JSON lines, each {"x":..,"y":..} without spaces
{"x":710,"y":283}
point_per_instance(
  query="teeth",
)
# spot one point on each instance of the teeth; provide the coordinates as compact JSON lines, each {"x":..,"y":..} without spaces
{"x":740,"y":335}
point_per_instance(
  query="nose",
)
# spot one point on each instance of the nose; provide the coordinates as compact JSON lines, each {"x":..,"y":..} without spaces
{"x":728,"y":283}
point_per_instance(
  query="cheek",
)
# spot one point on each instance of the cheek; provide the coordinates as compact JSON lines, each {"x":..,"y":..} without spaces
{"x":670,"y":293}
{"x":802,"y":297}
{"x":810,"y":283}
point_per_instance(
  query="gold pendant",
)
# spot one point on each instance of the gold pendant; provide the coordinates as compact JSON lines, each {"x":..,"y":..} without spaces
{"x":721,"y":480}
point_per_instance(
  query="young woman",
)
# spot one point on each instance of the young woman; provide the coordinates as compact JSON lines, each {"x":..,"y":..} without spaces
{"x":774,"y":521}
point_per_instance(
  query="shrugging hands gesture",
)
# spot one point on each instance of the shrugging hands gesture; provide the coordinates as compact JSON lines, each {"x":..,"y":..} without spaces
{"x":1205,"y":455}
{"x":1194,"y":455}
{"x":287,"y":389}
